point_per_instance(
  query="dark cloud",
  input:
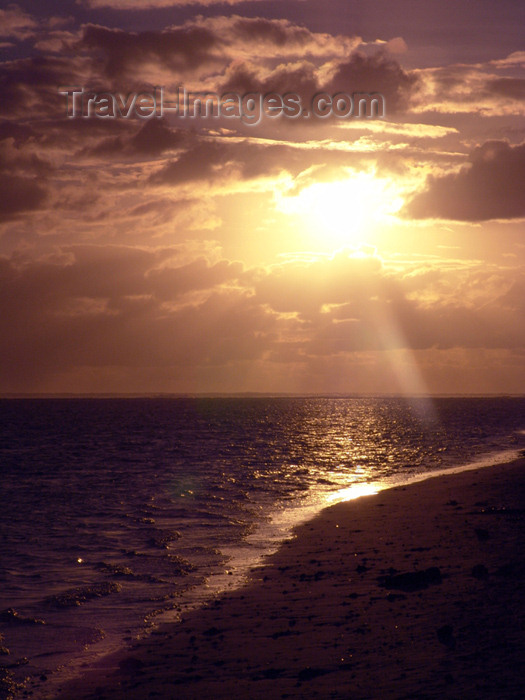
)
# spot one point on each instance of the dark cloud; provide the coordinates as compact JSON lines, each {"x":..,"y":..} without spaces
{"x":15,"y":23}
{"x":246,"y":77}
{"x":152,"y":138}
{"x":377,"y":73}
{"x":210,"y":160}
{"x":16,"y":131}
{"x":490,"y":187}
{"x":151,"y":4}
{"x":19,"y":195}
{"x":169,"y":282}
{"x":224,"y":159}
{"x":18,"y":158}
{"x":29,"y":86}
{"x":107,"y":306}
{"x":513,"y":88}
{"x":125,"y":53}
{"x":204,"y":43}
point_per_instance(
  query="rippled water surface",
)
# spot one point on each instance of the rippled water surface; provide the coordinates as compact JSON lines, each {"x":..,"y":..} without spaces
{"x":114,"y":510}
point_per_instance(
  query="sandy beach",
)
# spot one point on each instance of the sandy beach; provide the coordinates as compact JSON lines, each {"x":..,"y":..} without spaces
{"x":416,"y":592}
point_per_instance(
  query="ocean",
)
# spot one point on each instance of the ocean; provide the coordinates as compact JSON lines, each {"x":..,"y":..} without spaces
{"x":120,"y":513}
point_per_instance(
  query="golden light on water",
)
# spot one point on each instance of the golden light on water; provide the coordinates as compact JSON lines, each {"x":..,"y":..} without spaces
{"x":353,"y":492}
{"x":343,"y":212}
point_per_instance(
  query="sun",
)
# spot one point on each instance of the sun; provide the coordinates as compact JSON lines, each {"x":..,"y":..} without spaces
{"x":343,"y":212}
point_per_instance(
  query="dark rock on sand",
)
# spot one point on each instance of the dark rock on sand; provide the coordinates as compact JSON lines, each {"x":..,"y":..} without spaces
{"x":511,"y":570}
{"x":482,"y":534}
{"x":411,"y":581}
{"x":479,"y":571}
{"x":308,"y":673}
{"x":445,"y":635}
{"x":392,"y":597}
{"x":131,"y":664}
{"x":271,"y":673}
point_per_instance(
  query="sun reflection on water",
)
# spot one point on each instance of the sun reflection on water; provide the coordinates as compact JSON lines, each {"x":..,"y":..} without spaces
{"x":352,"y":492}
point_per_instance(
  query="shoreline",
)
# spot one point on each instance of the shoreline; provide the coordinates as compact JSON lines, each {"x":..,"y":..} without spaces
{"x":412,"y":592}
{"x":283,"y":524}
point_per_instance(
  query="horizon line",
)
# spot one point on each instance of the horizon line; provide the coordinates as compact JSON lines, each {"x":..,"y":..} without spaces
{"x":246,"y":394}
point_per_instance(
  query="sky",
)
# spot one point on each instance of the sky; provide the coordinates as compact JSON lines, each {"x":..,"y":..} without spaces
{"x":159,"y":252}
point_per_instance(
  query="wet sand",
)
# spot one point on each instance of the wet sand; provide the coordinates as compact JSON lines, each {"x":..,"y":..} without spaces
{"x":416,"y":592}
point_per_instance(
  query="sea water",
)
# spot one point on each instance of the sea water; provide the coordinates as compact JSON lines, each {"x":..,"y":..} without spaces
{"x":118,"y":513}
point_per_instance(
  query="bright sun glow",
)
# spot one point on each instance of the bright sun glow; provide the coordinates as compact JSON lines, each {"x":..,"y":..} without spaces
{"x":344,"y":212}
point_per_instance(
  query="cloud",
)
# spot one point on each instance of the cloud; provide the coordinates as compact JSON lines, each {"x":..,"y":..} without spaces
{"x":221,"y":160}
{"x":489,"y":89}
{"x":205,"y":43}
{"x":15,"y":23}
{"x":306,"y":288}
{"x":357,"y":72}
{"x":517,"y":58}
{"x":397,"y":45}
{"x":246,"y":76}
{"x":130,"y":311}
{"x":19,"y":195}
{"x":29,"y":86}
{"x":16,"y":155}
{"x":152,"y":4}
{"x":232,"y":162}
{"x":152,"y":138}
{"x":247,"y":36}
{"x":513,"y":88}
{"x":376,"y":73}
{"x":491,"y":186}
{"x":346,"y":304}
{"x":178,"y":49}
{"x":405,"y":129}
{"x":119,"y":306}
{"x":24,"y":175}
